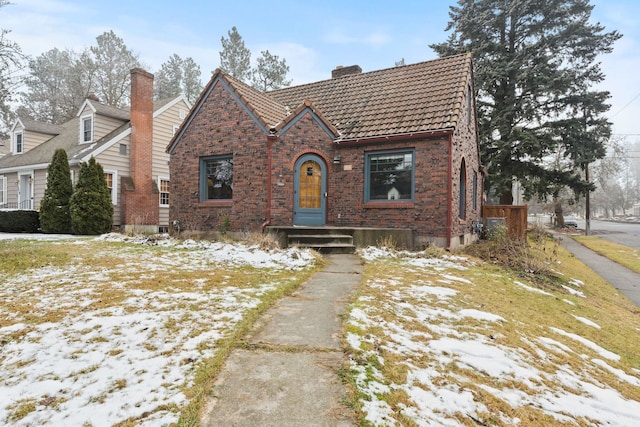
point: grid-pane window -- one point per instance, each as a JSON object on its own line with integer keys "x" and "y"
{"x": 164, "y": 192}
{"x": 86, "y": 129}
{"x": 389, "y": 176}
{"x": 19, "y": 143}
{"x": 3, "y": 190}
{"x": 109, "y": 178}
{"x": 216, "y": 178}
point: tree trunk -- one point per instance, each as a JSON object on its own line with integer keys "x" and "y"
{"x": 557, "y": 209}
{"x": 506, "y": 198}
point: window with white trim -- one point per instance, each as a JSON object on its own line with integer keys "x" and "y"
{"x": 18, "y": 143}
{"x": 86, "y": 129}
{"x": 389, "y": 176}
{"x": 112, "y": 185}
{"x": 175, "y": 129}
{"x": 163, "y": 189}
{"x": 3, "y": 190}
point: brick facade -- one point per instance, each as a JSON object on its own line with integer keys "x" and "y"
{"x": 225, "y": 122}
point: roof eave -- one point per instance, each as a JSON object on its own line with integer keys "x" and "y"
{"x": 394, "y": 137}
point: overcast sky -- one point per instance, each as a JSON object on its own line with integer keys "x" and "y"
{"x": 314, "y": 36}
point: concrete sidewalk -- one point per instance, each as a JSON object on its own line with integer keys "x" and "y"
{"x": 289, "y": 374}
{"x": 620, "y": 277}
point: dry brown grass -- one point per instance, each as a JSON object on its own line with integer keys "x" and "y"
{"x": 529, "y": 315}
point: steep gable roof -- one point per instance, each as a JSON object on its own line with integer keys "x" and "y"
{"x": 105, "y": 110}
{"x": 407, "y": 99}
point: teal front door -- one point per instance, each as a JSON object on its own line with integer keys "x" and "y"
{"x": 310, "y": 190}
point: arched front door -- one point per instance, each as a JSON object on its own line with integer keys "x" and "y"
{"x": 310, "y": 186}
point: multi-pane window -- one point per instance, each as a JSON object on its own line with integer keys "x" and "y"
{"x": 87, "y": 129}
{"x": 19, "y": 143}
{"x": 164, "y": 192}
{"x": 389, "y": 176}
{"x": 216, "y": 178}
{"x": 109, "y": 178}
{"x": 3, "y": 190}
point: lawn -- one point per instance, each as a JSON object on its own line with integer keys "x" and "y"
{"x": 132, "y": 331}
{"x": 118, "y": 331}
{"x": 454, "y": 340}
{"x": 621, "y": 254}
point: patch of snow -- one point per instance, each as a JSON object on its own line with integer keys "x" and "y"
{"x": 587, "y": 321}
{"x": 531, "y": 288}
{"x": 622, "y": 375}
{"x": 574, "y": 291}
{"x": 588, "y": 343}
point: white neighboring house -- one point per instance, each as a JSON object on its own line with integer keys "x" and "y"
{"x": 122, "y": 141}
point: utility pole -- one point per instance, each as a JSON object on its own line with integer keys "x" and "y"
{"x": 587, "y": 202}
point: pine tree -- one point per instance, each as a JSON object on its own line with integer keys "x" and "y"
{"x": 90, "y": 205}
{"x": 535, "y": 65}
{"x": 54, "y": 208}
{"x": 235, "y": 58}
{"x": 270, "y": 72}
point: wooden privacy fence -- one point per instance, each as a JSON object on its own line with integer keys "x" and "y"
{"x": 515, "y": 218}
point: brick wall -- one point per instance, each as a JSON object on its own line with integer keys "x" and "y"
{"x": 140, "y": 197}
{"x": 222, "y": 126}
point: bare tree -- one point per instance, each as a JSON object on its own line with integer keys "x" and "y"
{"x": 11, "y": 62}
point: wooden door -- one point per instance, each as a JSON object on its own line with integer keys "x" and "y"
{"x": 310, "y": 191}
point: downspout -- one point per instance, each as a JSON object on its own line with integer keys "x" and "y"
{"x": 271, "y": 138}
{"x": 449, "y": 190}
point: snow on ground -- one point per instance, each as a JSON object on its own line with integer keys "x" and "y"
{"x": 439, "y": 355}
{"x": 99, "y": 366}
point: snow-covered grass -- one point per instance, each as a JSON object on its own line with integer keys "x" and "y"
{"x": 451, "y": 342}
{"x": 114, "y": 329}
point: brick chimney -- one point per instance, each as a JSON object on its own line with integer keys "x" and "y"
{"x": 341, "y": 71}
{"x": 140, "y": 193}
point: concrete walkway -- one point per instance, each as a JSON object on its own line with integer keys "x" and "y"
{"x": 620, "y": 277}
{"x": 288, "y": 374}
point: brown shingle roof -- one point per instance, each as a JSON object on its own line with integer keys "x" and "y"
{"x": 408, "y": 99}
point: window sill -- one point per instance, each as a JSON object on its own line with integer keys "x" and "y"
{"x": 389, "y": 205}
{"x": 215, "y": 203}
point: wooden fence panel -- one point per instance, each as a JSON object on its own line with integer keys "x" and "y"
{"x": 515, "y": 218}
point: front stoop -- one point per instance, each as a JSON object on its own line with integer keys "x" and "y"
{"x": 325, "y": 240}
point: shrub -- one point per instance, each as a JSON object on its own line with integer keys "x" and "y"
{"x": 90, "y": 205}
{"x": 19, "y": 221}
{"x": 54, "y": 208}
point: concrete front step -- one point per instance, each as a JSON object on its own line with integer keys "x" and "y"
{"x": 324, "y": 243}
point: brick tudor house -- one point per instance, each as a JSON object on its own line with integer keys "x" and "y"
{"x": 129, "y": 144}
{"x": 393, "y": 150}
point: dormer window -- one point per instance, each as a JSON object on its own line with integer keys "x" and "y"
{"x": 86, "y": 129}
{"x": 18, "y": 146}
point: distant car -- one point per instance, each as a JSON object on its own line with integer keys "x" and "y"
{"x": 571, "y": 221}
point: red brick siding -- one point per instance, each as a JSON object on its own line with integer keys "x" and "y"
{"x": 141, "y": 203}
{"x": 222, "y": 126}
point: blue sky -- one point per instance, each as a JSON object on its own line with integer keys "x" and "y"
{"x": 313, "y": 36}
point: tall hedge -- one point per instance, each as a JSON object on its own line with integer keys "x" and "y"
{"x": 90, "y": 205}
{"x": 54, "y": 207}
